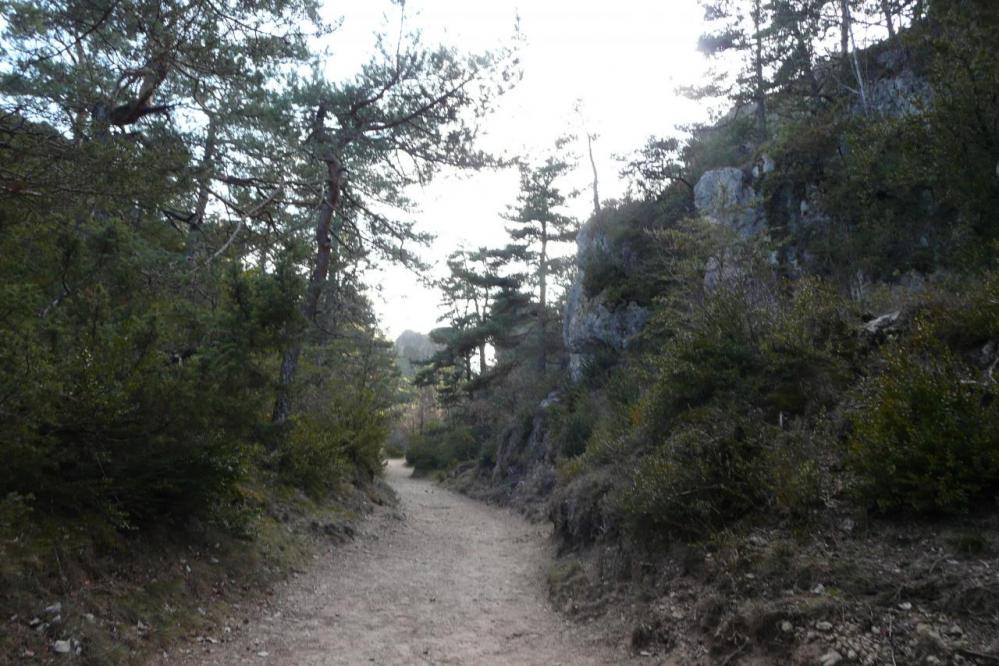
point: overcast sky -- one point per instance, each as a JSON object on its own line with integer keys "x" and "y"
{"x": 623, "y": 59}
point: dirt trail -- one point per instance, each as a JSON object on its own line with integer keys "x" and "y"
{"x": 443, "y": 579}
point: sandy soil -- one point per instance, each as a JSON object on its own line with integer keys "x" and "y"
{"x": 441, "y": 579}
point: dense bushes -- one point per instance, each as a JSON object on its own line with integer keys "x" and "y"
{"x": 703, "y": 476}
{"x": 117, "y": 403}
{"x": 747, "y": 403}
{"x": 733, "y": 420}
{"x": 572, "y": 421}
{"x": 440, "y": 446}
{"x": 926, "y": 434}
{"x": 926, "y": 415}
{"x": 756, "y": 388}
{"x": 134, "y": 389}
{"x": 910, "y": 186}
{"x": 717, "y": 468}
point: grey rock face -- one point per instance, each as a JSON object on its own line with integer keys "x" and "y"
{"x": 883, "y": 325}
{"x": 765, "y": 165}
{"x": 897, "y": 91}
{"x": 723, "y": 197}
{"x": 594, "y": 323}
{"x": 525, "y": 459}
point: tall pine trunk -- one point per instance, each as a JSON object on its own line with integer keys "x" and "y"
{"x": 335, "y": 175}
{"x": 195, "y": 236}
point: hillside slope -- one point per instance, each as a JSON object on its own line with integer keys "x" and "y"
{"x": 772, "y": 433}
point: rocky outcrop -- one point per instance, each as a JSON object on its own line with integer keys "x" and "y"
{"x": 523, "y": 474}
{"x": 523, "y": 445}
{"x": 726, "y": 197}
{"x": 595, "y": 322}
{"x": 896, "y": 89}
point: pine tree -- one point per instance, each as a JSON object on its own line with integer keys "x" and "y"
{"x": 742, "y": 28}
{"x": 537, "y": 221}
{"x": 410, "y": 112}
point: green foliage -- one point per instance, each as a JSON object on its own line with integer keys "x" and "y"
{"x": 912, "y": 190}
{"x": 719, "y": 146}
{"x": 15, "y": 511}
{"x": 718, "y": 466}
{"x": 732, "y": 421}
{"x": 314, "y": 456}
{"x": 571, "y": 424}
{"x": 809, "y": 350}
{"x": 703, "y": 476}
{"x": 129, "y": 411}
{"x": 616, "y": 270}
{"x": 441, "y": 446}
{"x": 794, "y": 466}
{"x": 926, "y": 434}
{"x": 881, "y": 190}
{"x": 657, "y": 167}
{"x": 394, "y": 451}
{"x": 327, "y": 446}
{"x": 603, "y": 274}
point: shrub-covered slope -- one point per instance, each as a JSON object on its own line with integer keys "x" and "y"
{"x": 775, "y": 434}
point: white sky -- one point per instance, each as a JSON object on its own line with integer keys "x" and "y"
{"x": 623, "y": 59}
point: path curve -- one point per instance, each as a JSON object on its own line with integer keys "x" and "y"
{"x": 455, "y": 581}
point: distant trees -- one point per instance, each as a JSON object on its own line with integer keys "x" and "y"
{"x": 476, "y": 280}
{"x": 778, "y": 43}
{"x": 656, "y": 166}
{"x": 498, "y": 299}
{"x": 741, "y": 28}
{"x": 537, "y": 221}
{"x": 410, "y": 112}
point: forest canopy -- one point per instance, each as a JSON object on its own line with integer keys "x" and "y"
{"x": 187, "y": 209}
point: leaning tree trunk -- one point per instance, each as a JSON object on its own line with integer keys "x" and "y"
{"x": 845, "y": 26}
{"x": 335, "y": 175}
{"x": 596, "y": 184}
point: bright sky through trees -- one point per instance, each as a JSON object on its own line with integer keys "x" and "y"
{"x": 623, "y": 60}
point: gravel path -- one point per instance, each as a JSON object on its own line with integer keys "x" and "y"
{"x": 442, "y": 579}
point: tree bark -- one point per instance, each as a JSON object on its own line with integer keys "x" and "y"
{"x": 194, "y": 236}
{"x": 861, "y": 86}
{"x": 845, "y": 26}
{"x": 335, "y": 177}
{"x": 480, "y": 316}
{"x": 889, "y": 19}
